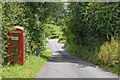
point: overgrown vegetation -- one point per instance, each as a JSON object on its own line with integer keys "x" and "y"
{"x": 92, "y": 32}
{"x": 62, "y": 39}
{"x": 53, "y": 31}
{"x": 108, "y": 55}
{"x": 32, "y": 16}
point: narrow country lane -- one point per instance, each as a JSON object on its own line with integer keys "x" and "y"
{"x": 64, "y": 65}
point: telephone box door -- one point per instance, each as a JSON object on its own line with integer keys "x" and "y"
{"x": 14, "y": 49}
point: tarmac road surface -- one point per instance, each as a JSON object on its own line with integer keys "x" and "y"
{"x": 64, "y": 65}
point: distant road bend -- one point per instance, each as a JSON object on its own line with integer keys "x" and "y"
{"x": 64, "y": 65}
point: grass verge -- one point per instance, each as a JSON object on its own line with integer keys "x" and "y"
{"x": 29, "y": 70}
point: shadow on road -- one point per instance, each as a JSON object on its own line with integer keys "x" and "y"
{"x": 64, "y": 57}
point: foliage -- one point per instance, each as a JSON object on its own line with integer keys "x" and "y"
{"x": 52, "y": 31}
{"x": 61, "y": 39}
{"x": 32, "y": 16}
{"x": 88, "y": 27}
{"x": 16, "y": 14}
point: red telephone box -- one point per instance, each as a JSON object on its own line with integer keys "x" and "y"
{"x": 16, "y": 45}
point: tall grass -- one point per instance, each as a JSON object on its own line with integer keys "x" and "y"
{"x": 109, "y": 56}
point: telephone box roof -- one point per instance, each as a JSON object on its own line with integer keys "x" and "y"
{"x": 18, "y": 27}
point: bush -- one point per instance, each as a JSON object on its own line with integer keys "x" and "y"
{"x": 109, "y": 53}
{"x": 53, "y": 36}
{"x": 61, "y": 39}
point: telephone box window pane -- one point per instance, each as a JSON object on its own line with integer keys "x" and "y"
{"x": 14, "y": 38}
